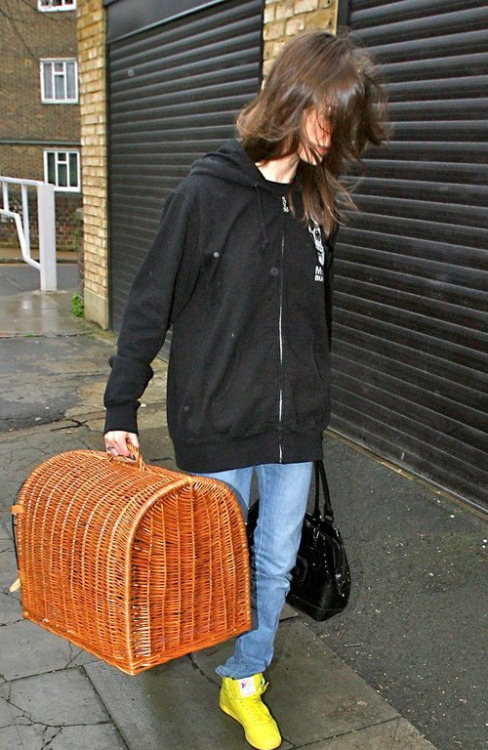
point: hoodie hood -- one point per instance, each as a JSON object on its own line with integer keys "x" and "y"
{"x": 232, "y": 165}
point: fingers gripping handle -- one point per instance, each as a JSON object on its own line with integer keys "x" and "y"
{"x": 134, "y": 458}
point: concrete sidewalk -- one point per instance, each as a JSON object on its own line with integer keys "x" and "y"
{"x": 400, "y": 537}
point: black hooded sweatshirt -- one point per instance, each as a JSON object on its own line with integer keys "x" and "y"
{"x": 245, "y": 285}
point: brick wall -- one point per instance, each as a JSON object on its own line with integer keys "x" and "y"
{"x": 91, "y": 50}
{"x": 67, "y": 221}
{"x": 23, "y": 162}
{"x": 284, "y": 19}
{"x": 26, "y": 37}
{"x": 26, "y": 162}
{"x": 27, "y": 126}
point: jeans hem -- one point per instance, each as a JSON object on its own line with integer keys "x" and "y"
{"x": 235, "y": 674}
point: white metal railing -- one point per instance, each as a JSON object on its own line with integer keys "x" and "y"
{"x": 46, "y": 222}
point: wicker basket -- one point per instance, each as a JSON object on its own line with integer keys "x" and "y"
{"x": 134, "y": 563}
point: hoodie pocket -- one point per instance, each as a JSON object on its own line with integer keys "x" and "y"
{"x": 307, "y": 393}
{"x": 247, "y": 403}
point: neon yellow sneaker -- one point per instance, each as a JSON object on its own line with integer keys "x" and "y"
{"x": 241, "y": 699}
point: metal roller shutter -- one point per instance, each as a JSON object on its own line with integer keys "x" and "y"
{"x": 411, "y": 305}
{"x": 174, "y": 91}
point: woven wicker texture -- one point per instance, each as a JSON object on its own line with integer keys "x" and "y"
{"x": 134, "y": 563}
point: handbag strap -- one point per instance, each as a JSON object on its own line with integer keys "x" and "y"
{"x": 321, "y": 484}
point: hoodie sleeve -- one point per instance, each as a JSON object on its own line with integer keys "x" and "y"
{"x": 147, "y": 314}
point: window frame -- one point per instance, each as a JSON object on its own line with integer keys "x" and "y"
{"x": 56, "y": 61}
{"x": 67, "y": 152}
{"x": 53, "y": 8}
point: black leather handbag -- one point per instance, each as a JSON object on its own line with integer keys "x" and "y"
{"x": 321, "y": 578}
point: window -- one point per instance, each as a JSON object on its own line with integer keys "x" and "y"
{"x": 46, "y": 5}
{"x": 62, "y": 169}
{"x": 59, "y": 81}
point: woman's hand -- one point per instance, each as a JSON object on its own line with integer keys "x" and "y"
{"x": 116, "y": 442}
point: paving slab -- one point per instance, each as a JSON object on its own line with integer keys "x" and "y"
{"x": 8, "y": 565}
{"x": 54, "y": 371}
{"x": 95, "y": 737}
{"x": 415, "y": 628}
{"x": 171, "y": 707}
{"x": 10, "y": 608}
{"x": 392, "y": 735}
{"x": 9, "y": 611}
{"x": 37, "y": 736}
{"x": 62, "y": 698}
{"x": 58, "y": 699}
{"x": 25, "y": 737}
{"x": 16, "y": 278}
{"x": 40, "y": 313}
{"x": 312, "y": 693}
{"x": 27, "y": 649}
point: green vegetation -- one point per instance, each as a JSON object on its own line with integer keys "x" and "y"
{"x": 77, "y": 305}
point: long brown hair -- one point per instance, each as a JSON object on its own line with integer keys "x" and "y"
{"x": 336, "y": 78}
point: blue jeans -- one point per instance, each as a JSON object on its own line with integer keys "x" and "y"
{"x": 283, "y": 494}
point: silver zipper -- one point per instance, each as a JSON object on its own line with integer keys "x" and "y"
{"x": 280, "y": 331}
{"x": 286, "y": 210}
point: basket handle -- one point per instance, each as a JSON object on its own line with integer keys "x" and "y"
{"x": 16, "y": 510}
{"x": 135, "y": 458}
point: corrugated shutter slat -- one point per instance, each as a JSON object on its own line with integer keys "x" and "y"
{"x": 411, "y": 310}
{"x": 174, "y": 91}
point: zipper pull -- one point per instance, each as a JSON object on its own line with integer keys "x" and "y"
{"x": 286, "y": 209}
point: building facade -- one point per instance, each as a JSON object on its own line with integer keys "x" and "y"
{"x": 410, "y": 353}
{"x": 410, "y": 309}
{"x": 40, "y": 117}
{"x": 107, "y": 31}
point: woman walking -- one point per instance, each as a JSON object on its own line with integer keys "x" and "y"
{"x": 241, "y": 268}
